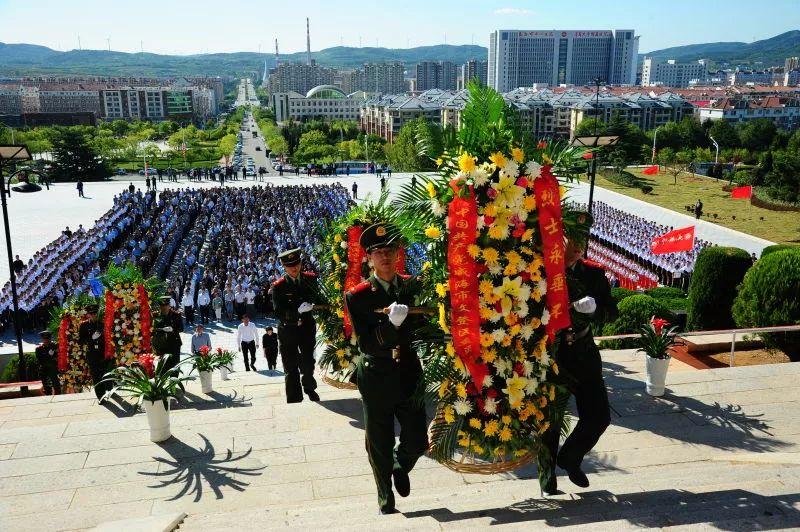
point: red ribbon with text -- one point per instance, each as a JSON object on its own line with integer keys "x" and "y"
{"x": 551, "y": 226}
{"x": 355, "y": 256}
{"x": 111, "y": 308}
{"x": 465, "y": 321}
{"x": 146, "y": 319}
{"x": 63, "y": 344}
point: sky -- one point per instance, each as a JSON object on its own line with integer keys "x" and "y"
{"x": 202, "y": 26}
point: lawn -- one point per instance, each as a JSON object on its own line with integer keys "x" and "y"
{"x": 777, "y": 226}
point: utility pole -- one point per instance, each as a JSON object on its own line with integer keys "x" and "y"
{"x": 716, "y": 157}
{"x": 108, "y": 42}
{"x": 79, "y": 42}
{"x": 655, "y": 135}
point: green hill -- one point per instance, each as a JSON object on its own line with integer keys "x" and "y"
{"x": 27, "y": 59}
{"x": 764, "y": 53}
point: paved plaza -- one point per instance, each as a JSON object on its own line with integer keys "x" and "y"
{"x": 720, "y": 451}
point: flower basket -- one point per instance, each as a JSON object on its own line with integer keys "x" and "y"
{"x": 224, "y": 361}
{"x": 339, "y": 384}
{"x": 65, "y": 323}
{"x": 656, "y": 341}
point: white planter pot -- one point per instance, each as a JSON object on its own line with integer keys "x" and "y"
{"x": 656, "y": 375}
{"x": 206, "y": 381}
{"x": 223, "y": 373}
{"x": 158, "y": 419}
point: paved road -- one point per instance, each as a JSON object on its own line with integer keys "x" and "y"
{"x": 247, "y": 94}
{"x": 249, "y": 144}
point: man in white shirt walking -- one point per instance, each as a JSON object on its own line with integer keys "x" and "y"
{"x": 204, "y": 302}
{"x": 188, "y": 305}
{"x": 247, "y": 340}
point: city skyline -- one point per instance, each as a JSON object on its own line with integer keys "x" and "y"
{"x": 60, "y": 26}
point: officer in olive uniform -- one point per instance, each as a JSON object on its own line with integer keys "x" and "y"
{"x": 90, "y": 335}
{"x": 47, "y": 357}
{"x": 389, "y": 370}
{"x": 293, "y": 298}
{"x": 167, "y": 327}
{"x": 579, "y": 362}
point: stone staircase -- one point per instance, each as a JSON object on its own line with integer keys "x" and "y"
{"x": 720, "y": 451}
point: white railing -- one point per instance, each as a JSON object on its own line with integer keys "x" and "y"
{"x": 732, "y": 332}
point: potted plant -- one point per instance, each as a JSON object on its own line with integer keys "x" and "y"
{"x": 205, "y": 362}
{"x": 224, "y": 362}
{"x": 152, "y": 382}
{"x": 656, "y": 341}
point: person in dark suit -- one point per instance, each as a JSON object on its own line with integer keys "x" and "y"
{"x": 167, "y": 326}
{"x": 293, "y": 298}
{"x": 581, "y": 369}
{"x": 269, "y": 343}
{"x": 389, "y": 370}
{"x": 47, "y": 357}
{"x": 90, "y": 335}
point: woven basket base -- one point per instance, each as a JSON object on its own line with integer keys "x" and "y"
{"x": 465, "y": 465}
{"x": 338, "y": 384}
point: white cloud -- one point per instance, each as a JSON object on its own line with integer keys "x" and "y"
{"x": 513, "y": 11}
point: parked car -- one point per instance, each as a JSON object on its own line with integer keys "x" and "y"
{"x": 121, "y": 171}
{"x": 258, "y": 148}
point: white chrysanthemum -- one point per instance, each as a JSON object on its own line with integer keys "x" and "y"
{"x": 496, "y": 316}
{"x": 487, "y": 381}
{"x": 462, "y": 407}
{"x": 502, "y": 366}
{"x": 524, "y": 292}
{"x": 545, "y": 317}
{"x": 530, "y": 388}
{"x": 343, "y": 244}
{"x": 462, "y": 175}
{"x": 526, "y": 331}
{"x": 495, "y": 270}
{"x": 522, "y": 309}
{"x": 437, "y": 208}
{"x": 353, "y": 340}
{"x": 511, "y": 168}
{"x": 481, "y": 224}
{"x": 480, "y": 177}
{"x": 498, "y": 335}
{"x": 543, "y": 374}
{"x": 527, "y": 368}
{"x": 541, "y": 284}
{"x": 533, "y": 169}
{"x": 545, "y": 360}
{"x": 490, "y": 405}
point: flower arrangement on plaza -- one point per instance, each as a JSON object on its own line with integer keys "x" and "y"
{"x": 224, "y": 358}
{"x": 65, "y": 322}
{"x": 495, "y": 272}
{"x": 344, "y": 265}
{"x": 127, "y": 317}
{"x": 657, "y": 338}
{"x": 147, "y": 378}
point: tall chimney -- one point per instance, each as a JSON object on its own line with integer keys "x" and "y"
{"x": 308, "y": 43}
{"x": 277, "y": 57}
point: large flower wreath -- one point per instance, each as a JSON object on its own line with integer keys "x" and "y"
{"x": 127, "y": 317}
{"x": 493, "y": 221}
{"x": 64, "y": 324}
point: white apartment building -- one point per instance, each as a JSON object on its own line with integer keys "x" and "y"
{"x": 325, "y": 102}
{"x": 561, "y": 57}
{"x": 670, "y": 73}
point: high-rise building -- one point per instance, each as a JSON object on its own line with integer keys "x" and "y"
{"x": 791, "y": 63}
{"x": 384, "y": 78}
{"x": 671, "y": 73}
{"x": 436, "y": 75}
{"x": 560, "y": 57}
{"x": 299, "y": 77}
{"x": 474, "y": 69}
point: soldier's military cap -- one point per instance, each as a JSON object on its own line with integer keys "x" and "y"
{"x": 45, "y": 334}
{"x": 290, "y": 257}
{"x": 164, "y": 300}
{"x": 379, "y": 235}
{"x": 577, "y": 225}
{"x": 91, "y": 307}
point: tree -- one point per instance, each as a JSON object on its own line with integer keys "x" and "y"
{"x": 75, "y": 158}
{"x": 278, "y": 145}
{"x": 725, "y": 134}
{"x": 784, "y": 178}
{"x": 757, "y": 135}
{"x": 402, "y": 154}
{"x": 588, "y": 127}
{"x": 226, "y": 146}
{"x": 669, "y": 136}
{"x": 692, "y": 133}
{"x": 313, "y": 147}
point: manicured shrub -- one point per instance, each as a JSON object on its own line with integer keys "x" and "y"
{"x": 632, "y": 313}
{"x": 11, "y": 371}
{"x": 770, "y": 296}
{"x": 777, "y": 247}
{"x": 619, "y": 293}
{"x": 717, "y": 273}
{"x": 665, "y": 292}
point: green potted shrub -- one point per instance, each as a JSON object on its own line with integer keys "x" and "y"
{"x": 152, "y": 383}
{"x": 224, "y": 362}
{"x": 656, "y": 341}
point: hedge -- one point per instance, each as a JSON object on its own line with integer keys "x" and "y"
{"x": 666, "y": 292}
{"x": 618, "y": 294}
{"x": 778, "y": 247}
{"x": 632, "y": 313}
{"x": 770, "y": 296}
{"x": 11, "y": 371}
{"x": 717, "y": 273}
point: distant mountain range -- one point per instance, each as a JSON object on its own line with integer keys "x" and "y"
{"x": 30, "y": 59}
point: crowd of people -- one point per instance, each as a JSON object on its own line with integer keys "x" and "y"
{"x": 621, "y": 270}
{"x": 629, "y": 237}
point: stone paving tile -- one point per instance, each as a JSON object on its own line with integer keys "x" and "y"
{"x": 26, "y": 434}
{"x": 43, "y": 421}
{"x": 34, "y": 503}
{"x": 74, "y": 444}
{"x": 76, "y": 518}
{"x": 6, "y": 450}
{"x": 169, "y": 450}
{"x": 27, "y": 466}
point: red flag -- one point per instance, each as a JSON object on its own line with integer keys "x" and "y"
{"x": 651, "y": 170}
{"x": 674, "y": 241}
{"x": 742, "y": 192}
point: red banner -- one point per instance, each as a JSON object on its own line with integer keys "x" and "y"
{"x": 674, "y": 241}
{"x": 651, "y": 170}
{"x": 551, "y": 226}
{"x": 401, "y": 260}
{"x": 355, "y": 256}
{"x": 63, "y": 344}
{"x": 465, "y": 320}
{"x": 147, "y": 320}
{"x": 109, "y": 324}
{"x": 742, "y": 192}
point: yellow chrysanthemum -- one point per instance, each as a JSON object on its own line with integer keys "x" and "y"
{"x": 517, "y": 154}
{"x": 490, "y": 210}
{"x": 449, "y": 415}
{"x": 529, "y": 203}
{"x": 498, "y": 159}
{"x": 337, "y": 238}
{"x": 474, "y": 251}
{"x": 466, "y": 163}
{"x": 486, "y": 339}
{"x": 490, "y": 256}
{"x": 512, "y": 257}
{"x": 433, "y": 232}
{"x": 506, "y": 419}
{"x": 489, "y": 355}
{"x": 443, "y": 388}
{"x": 485, "y": 313}
{"x": 441, "y": 289}
{"x": 527, "y": 235}
{"x": 485, "y": 286}
{"x": 431, "y": 189}
{"x": 491, "y": 428}
{"x": 461, "y": 390}
{"x": 506, "y": 341}
{"x": 505, "y": 434}
{"x": 475, "y": 423}
{"x": 336, "y": 257}
{"x": 443, "y": 319}
{"x": 498, "y": 232}
{"x": 477, "y": 448}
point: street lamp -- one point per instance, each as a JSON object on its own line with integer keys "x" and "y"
{"x": 655, "y": 135}
{"x": 12, "y": 154}
{"x": 716, "y": 157}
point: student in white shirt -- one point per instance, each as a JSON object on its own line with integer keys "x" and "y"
{"x": 188, "y": 305}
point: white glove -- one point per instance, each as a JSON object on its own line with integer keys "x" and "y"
{"x": 585, "y": 305}
{"x": 167, "y": 329}
{"x": 305, "y": 307}
{"x": 95, "y": 336}
{"x": 397, "y": 313}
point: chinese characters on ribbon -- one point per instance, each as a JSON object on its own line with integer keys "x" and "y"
{"x": 551, "y": 226}
{"x": 355, "y": 256}
{"x": 465, "y": 322}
